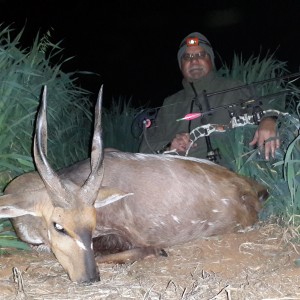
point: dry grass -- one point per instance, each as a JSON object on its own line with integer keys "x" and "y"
{"x": 258, "y": 264}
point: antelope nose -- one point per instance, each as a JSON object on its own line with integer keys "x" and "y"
{"x": 91, "y": 280}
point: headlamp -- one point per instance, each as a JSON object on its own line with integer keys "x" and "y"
{"x": 194, "y": 41}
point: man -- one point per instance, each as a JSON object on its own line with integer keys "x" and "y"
{"x": 196, "y": 62}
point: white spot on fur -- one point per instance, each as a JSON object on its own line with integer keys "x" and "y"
{"x": 49, "y": 235}
{"x": 195, "y": 221}
{"x": 58, "y": 227}
{"x": 215, "y": 210}
{"x": 111, "y": 199}
{"x": 92, "y": 247}
{"x": 175, "y": 218}
{"x": 210, "y": 224}
{"x": 203, "y": 221}
{"x": 81, "y": 245}
{"x": 225, "y": 201}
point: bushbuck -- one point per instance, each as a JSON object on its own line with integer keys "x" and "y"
{"x": 129, "y": 206}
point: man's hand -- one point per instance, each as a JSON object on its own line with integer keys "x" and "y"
{"x": 181, "y": 142}
{"x": 266, "y": 135}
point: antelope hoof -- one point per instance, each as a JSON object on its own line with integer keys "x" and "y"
{"x": 163, "y": 253}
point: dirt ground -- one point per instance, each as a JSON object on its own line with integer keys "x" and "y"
{"x": 262, "y": 263}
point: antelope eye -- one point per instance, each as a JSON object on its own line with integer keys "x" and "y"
{"x": 59, "y": 228}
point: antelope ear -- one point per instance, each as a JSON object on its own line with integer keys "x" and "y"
{"x": 20, "y": 204}
{"x": 109, "y": 195}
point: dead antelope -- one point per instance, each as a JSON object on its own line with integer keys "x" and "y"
{"x": 130, "y": 205}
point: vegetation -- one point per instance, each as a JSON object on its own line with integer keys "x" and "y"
{"x": 23, "y": 74}
{"x": 117, "y": 126}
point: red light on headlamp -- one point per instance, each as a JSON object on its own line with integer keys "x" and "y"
{"x": 192, "y": 41}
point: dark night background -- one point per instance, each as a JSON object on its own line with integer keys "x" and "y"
{"x": 132, "y": 45}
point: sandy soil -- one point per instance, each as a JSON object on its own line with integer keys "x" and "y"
{"x": 259, "y": 264}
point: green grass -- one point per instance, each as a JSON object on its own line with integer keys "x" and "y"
{"x": 117, "y": 123}
{"x": 23, "y": 73}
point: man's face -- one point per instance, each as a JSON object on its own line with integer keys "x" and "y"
{"x": 196, "y": 67}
